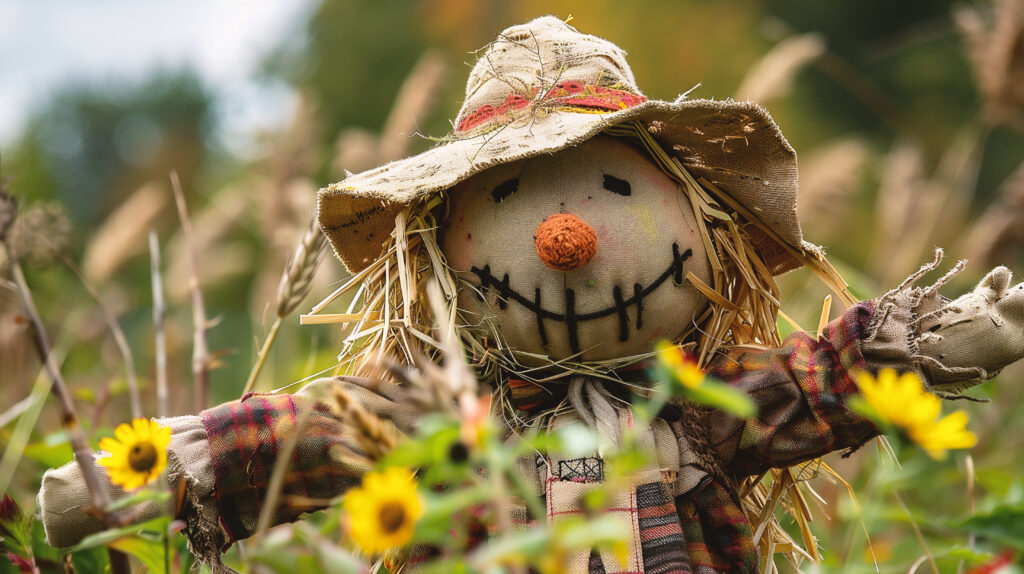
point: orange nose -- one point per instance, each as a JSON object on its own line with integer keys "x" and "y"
{"x": 565, "y": 242}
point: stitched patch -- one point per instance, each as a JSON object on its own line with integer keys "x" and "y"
{"x": 588, "y": 469}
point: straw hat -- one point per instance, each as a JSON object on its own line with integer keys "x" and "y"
{"x": 543, "y": 86}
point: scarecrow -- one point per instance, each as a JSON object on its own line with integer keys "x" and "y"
{"x": 572, "y": 223}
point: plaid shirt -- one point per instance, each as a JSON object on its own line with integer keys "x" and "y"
{"x": 685, "y": 520}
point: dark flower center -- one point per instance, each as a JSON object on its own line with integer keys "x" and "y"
{"x": 142, "y": 457}
{"x": 392, "y": 517}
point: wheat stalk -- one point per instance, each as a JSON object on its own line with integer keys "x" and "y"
{"x": 296, "y": 282}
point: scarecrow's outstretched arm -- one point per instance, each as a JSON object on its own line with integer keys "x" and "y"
{"x": 801, "y": 387}
{"x": 225, "y": 457}
{"x": 800, "y": 390}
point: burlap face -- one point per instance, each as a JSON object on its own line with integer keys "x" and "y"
{"x": 633, "y": 291}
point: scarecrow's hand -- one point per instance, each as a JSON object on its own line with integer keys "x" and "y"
{"x": 65, "y": 502}
{"x": 971, "y": 339}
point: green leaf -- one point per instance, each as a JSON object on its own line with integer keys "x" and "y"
{"x": 971, "y": 557}
{"x": 1005, "y": 524}
{"x": 331, "y": 558}
{"x": 156, "y": 496}
{"x": 721, "y": 396}
{"x": 91, "y": 560}
{"x": 49, "y": 455}
{"x": 104, "y": 538}
{"x": 152, "y": 552}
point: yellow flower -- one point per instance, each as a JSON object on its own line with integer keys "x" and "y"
{"x": 682, "y": 366}
{"x": 902, "y": 401}
{"x": 384, "y": 510}
{"x": 138, "y": 455}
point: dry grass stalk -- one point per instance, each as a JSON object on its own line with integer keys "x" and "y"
{"x": 772, "y": 77}
{"x": 917, "y": 534}
{"x": 996, "y": 51}
{"x": 159, "y": 331}
{"x": 829, "y": 177}
{"x": 358, "y": 149}
{"x": 212, "y": 227}
{"x": 1000, "y": 229}
{"x": 200, "y": 347}
{"x": 221, "y": 262}
{"x": 901, "y": 192}
{"x": 414, "y": 99}
{"x": 119, "y": 338}
{"x": 69, "y": 418}
{"x": 293, "y": 288}
{"x": 122, "y": 235}
{"x": 917, "y": 212}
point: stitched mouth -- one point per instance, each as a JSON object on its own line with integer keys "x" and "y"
{"x": 570, "y": 317}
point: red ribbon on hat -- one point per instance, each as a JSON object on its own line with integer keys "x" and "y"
{"x": 570, "y": 94}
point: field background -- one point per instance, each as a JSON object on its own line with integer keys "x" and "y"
{"x": 908, "y": 118}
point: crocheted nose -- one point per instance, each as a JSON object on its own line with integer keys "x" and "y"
{"x": 565, "y": 242}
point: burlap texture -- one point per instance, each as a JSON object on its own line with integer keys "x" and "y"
{"x": 951, "y": 345}
{"x": 973, "y": 337}
{"x": 734, "y": 145}
{"x": 638, "y": 239}
{"x": 64, "y": 494}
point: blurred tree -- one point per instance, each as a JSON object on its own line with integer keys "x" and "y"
{"x": 90, "y": 145}
{"x": 352, "y": 60}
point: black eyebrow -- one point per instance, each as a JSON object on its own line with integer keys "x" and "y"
{"x": 616, "y": 185}
{"x": 505, "y": 189}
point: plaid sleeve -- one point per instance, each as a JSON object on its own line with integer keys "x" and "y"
{"x": 246, "y": 439}
{"x": 800, "y": 391}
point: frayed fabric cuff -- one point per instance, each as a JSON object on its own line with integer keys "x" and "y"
{"x": 191, "y": 468}
{"x": 64, "y": 497}
{"x": 894, "y": 337}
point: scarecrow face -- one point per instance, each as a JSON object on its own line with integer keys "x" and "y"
{"x": 582, "y": 254}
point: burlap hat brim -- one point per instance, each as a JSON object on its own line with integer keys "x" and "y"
{"x": 734, "y": 145}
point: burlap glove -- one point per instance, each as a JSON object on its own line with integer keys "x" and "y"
{"x": 971, "y": 339}
{"x": 64, "y": 496}
{"x": 952, "y": 345}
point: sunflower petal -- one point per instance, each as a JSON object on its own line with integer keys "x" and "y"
{"x": 141, "y": 427}
{"x": 124, "y": 433}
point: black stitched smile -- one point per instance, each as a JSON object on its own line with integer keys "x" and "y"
{"x": 570, "y": 317}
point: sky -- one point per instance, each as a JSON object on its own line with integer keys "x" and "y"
{"x": 45, "y": 44}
